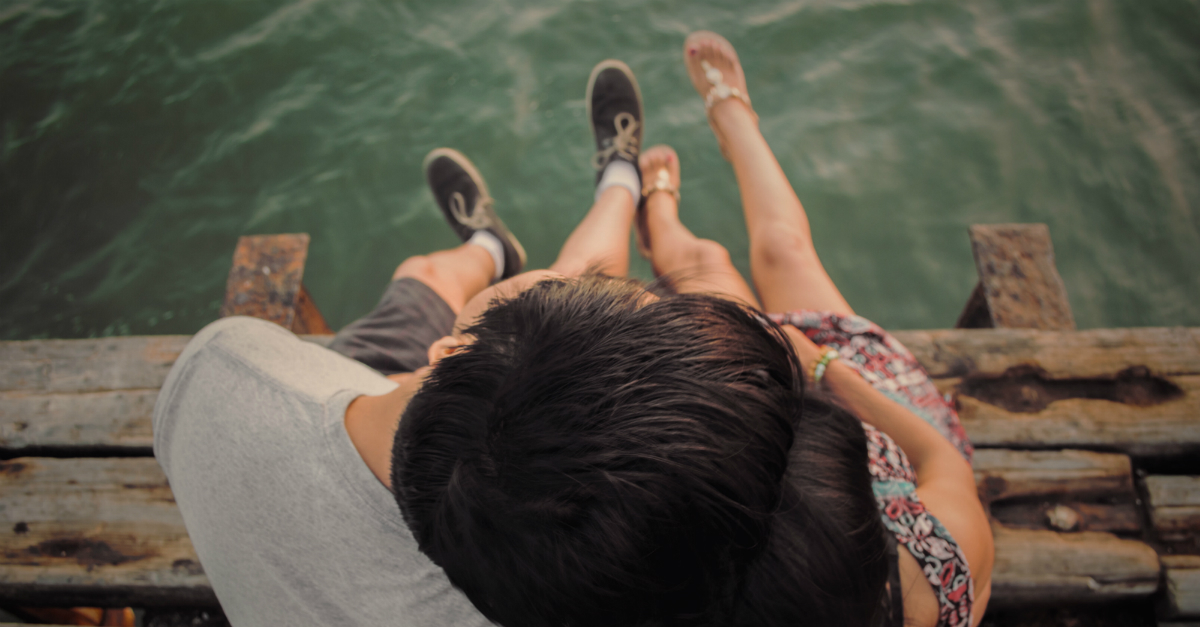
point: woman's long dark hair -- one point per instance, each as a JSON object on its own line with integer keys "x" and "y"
{"x": 825, "y": 560}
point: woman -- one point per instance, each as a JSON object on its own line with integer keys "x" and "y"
{"x": 918, "y": 453}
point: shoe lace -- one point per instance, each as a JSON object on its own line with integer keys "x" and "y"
{"x": 624, "y": 144}
{"x": 473, "y": 219}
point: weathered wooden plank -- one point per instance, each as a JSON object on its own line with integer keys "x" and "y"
{"x": 1063, "y": 490}
{"x": 94, "y": 531}
{"x": 108, "y": 531}
{"x": 1005, "y": 474}
{"x": 1181, "y": 598}
{"x": 115, "y": 363}
{"x": 1061, "y": 354}
{"x": 1018, "y": 279}
{"x": 95, "y": 365}
{"x": 1170, "y": 428}
{"x": 1174, "y": 506}
{"x": 1067, "y": 514}
{"x": 122, "y": 363}
{"x": 110, "y": 422}
{"x": 1034, "y": 566}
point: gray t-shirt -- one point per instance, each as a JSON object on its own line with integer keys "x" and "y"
{"x": 290, "y": 525}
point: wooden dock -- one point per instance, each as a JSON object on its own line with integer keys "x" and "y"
{"x": 1088, "y": 462}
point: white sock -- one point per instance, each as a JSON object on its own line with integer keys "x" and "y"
{"x": 622, "y": 174}
{"x": 491, "y": 243}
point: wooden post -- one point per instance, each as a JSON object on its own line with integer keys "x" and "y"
{"x": 265, "y": 282}
{"x": 1019, "y": 285}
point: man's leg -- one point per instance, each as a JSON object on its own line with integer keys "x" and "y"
{"x": 783, "y": 261}
{"x": 427, "y": 291}
{"x": 692, "y": 264}
{"x": 456, "y": 275}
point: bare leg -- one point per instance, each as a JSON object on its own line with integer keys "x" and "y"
{"x": 601, "y": 241}
{"x": 693, "y": 264}
{"x": 456, "y": 274}
{"x": 783, "y": 262}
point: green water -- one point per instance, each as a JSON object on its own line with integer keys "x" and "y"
{"x": 140, "y": 139}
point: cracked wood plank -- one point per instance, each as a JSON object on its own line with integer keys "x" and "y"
{"x": 138, "y": 362}
{"x": 107, "y": 530}
{"x": 1175, "y": 506}
{"x": 1036, "y": 489}
{"x": 90, "y": 531}
{"x": 94, "y": 365}
{"x": 1035, "y": 566}
{"x": 114, "y": 363}
{"x": 89, "y": 422}
{"x": 1181, "y": 593}
{"x": 984, "y": 353}
{"x": 1167, "y": 428}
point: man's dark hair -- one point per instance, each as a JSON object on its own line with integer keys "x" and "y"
{"x": 597, "y": 459}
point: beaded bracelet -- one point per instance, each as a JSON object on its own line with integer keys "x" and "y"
{"x": 819, "y": 366}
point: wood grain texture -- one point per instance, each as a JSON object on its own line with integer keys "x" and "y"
{"x": 1174, "y": 506}
{"x": 110, "y": 422}
{"x": 116, "y": 363}
{"x": 122, "y": 363}
{"x": 108, "y": 530}
{"x": 1024, "y": 489}
{"x": 94, "y": 531}
{"x": 96, "y": 365}
{"x": 1068, "y": 514}
{"x": 1035, "y": 566}
{"x": 265, "y": 279}
{"x": 1169, "y": 428}
{"x": 1061, "y": 354}
{"x": 1005, "y": 474}
{"x": 1018, "y": 278}
{"x": 1181, "y": 598}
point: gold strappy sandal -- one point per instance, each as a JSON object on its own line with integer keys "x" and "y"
{"x": 659, "y": 182}
{"x": 717, "y": 89}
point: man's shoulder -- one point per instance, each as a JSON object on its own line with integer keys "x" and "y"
{"x": 248, "y": 349}
{"x": 245, "y": 366}
{"x": 236, "y": 333}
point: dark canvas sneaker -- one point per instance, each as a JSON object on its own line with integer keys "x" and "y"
{"x": 615, "y": 110}
{"x": 463, "y": 197}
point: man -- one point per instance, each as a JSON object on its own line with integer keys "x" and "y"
{"x": 486, "y": 443}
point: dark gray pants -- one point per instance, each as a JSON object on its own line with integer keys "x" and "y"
{"x": 396, "y": 335}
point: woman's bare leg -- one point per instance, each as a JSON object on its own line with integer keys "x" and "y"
{"x": 601, "y": 241}
{"x": 783, "y": 262}
{"x": 693, "y": 264}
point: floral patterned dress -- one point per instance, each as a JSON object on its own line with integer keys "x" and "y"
{"x": 890, "y": 368}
